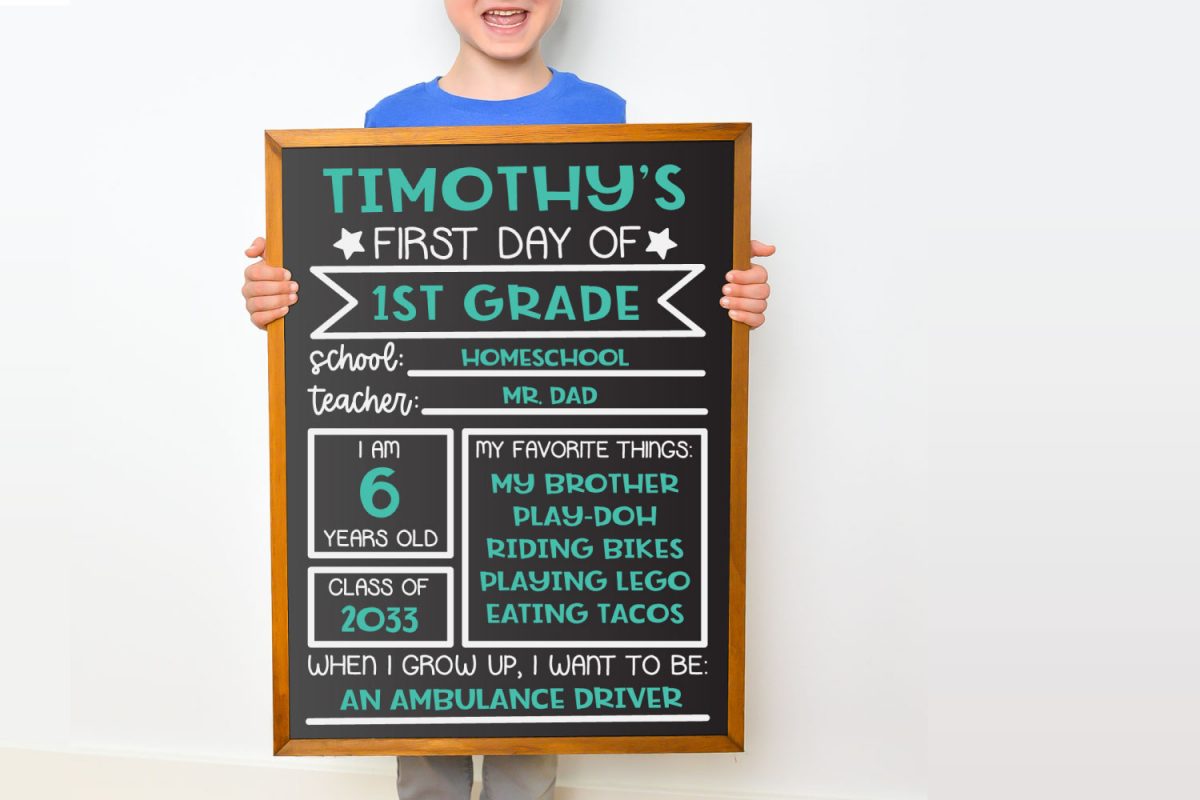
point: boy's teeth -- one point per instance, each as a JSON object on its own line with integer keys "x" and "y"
{"x": 505, "y": 18}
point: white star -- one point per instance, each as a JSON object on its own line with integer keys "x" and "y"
{"x": 350, "y": 243}
{"x": 660, "y": 243}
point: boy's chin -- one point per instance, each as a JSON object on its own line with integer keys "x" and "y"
{"x": 506, "y": 51}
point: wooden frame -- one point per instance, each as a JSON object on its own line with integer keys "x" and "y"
{"x": 276, "y": 140}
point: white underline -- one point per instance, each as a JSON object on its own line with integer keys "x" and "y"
{"x": 533, "y": 373}
{"x": 616, "y": 412}
{"x": 505, "y": 720}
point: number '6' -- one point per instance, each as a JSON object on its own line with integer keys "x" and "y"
{"x": 372, "y": 484}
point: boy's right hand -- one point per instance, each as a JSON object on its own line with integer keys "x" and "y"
{"x": 269, "y": 291}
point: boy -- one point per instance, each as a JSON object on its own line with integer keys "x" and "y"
{"x": 498, "y": 78}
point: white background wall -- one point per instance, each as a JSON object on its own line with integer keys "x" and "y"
{"x": 974, "y": 439}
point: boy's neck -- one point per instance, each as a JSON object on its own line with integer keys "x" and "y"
{"x": 477, "y": 76}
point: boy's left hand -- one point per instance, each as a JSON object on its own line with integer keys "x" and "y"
{"x": 747, "y": 291}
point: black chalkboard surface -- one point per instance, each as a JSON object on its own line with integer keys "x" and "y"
{"x": 508, "y": 439}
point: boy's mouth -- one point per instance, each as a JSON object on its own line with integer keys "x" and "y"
{"x": 505, "y": 18}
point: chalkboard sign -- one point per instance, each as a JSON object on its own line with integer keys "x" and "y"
{"x": 508, "y": 439}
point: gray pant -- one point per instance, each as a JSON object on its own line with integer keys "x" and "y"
{"x": 450, "y": 777}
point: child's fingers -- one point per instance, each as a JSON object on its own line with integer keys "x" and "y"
{"x": 269, "y": 302}
{"x": 744, "y": 304}
{"x": 756, "y": 274}
{"x": 258, "y": 271}
{"x": 760, "y": 291}
{"x": 256, "y": 248}
{"x": 758, "y": 249}
{"x": 261, "y": 318}
{"x": 259, "y": 288}
{"x": 751, "y": 319}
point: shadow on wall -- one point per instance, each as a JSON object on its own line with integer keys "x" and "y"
{"x": 567, "y": 44}
{"x": 556, "y": 44}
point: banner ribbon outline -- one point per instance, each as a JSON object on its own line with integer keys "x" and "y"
{"x": 327, "y": 274}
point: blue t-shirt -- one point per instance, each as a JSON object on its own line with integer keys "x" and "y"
{"x": 565, "y": 99}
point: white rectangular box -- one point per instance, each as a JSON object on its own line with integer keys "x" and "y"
{"x": 447, "y": 571}
{"x": 467, "y": 433}
{"x": 447, "y": 552}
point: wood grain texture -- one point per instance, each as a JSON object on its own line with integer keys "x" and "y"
{"x": 276, "y": 141}
{"x": 738, "y": 411}
{"x": 511, "y": 746}
{"x": 278, "y": 443}
{"x": 506, "y": 134}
